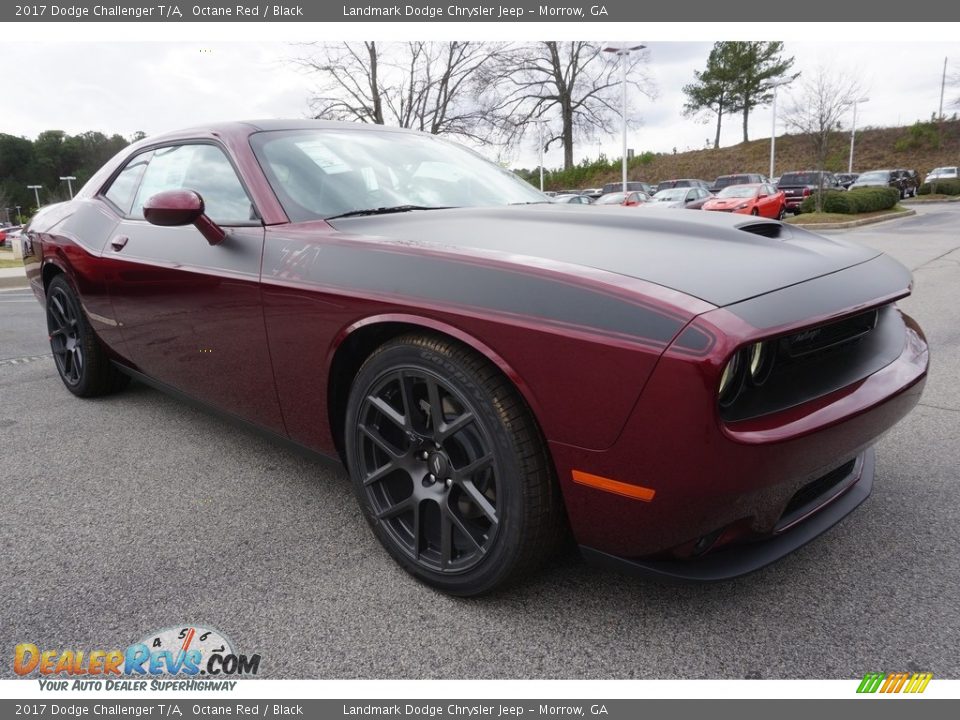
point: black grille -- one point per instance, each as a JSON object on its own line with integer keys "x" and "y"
{"x": 821, "y": 486}
{"x": 820, "y": 338}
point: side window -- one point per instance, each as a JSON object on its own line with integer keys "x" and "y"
{"x": 203, "y": 169}
{"x": 124, "y": 185}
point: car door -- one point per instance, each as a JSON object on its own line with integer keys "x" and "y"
{"x": 766, "y": 202}
{"x": 190, "y": 313}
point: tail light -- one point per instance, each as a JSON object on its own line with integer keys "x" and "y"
{"x": 806, "y": 191}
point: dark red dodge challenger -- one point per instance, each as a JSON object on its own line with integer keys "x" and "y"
{"x": 693, "y": 395}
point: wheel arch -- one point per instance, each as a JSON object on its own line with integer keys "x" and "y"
{"x": 49, "y": 270}
{"x": 358, "y": 341}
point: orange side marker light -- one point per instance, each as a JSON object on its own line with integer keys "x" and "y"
{"x": 634, "y": 492}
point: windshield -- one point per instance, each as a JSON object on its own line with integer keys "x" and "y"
{"x": 788, "y": 179}
{"x": 671, "y": 195}
{"x": 738, "y": 191}
{"x": 611, "y": 199}
{"x": 726, "y": 180}
{"x": 323, "y": 173}
{"x": 944, "y": 171}
{"x": 873, "y": 177}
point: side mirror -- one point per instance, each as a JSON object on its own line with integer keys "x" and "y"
{"x": 175, "y": 208}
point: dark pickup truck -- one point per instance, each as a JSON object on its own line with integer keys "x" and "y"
{"x": 798, "y": 185}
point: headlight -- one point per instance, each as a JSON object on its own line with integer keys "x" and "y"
{"x": 759, "y": 362}
{"x": 730, "y": 381}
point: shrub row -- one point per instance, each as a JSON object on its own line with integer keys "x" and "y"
{"x": 852, "y": 202}
{"x": 946, "y": 187}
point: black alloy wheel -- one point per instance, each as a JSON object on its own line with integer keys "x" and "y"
{"x": 63, "y": 324}
{"x": 449, "y": 467}
{"x": 81, "y": 360}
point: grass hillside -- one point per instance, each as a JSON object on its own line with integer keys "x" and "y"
{"x": 917, "y": 147}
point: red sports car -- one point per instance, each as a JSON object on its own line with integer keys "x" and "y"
{"x": 760, "y": 199}
{"x": 690, "y": 394}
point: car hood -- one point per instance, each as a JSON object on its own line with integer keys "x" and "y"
{"x": 728, "y": 202}
{"x": 705, "y": 255}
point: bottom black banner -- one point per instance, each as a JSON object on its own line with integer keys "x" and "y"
{"x": 874, "y": 708}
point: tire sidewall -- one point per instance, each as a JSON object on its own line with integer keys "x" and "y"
{"x": 60, "y": 282}
{"x": 500, "y": 560}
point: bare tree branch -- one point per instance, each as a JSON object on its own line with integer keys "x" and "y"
{"x": 817, "y": 109}
{"x": 571, "y": 86}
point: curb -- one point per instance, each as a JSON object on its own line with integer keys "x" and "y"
{"x": 855, "y": 223}
{"x": 925, "y": 201}
{"x": 14, "y": 282}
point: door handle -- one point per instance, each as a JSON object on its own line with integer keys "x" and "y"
{"x": 119, "y": 242}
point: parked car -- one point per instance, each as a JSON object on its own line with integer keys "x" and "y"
{"x": 691, "y": 198}
{"x": 688, "y": 395}
{"x": 760, "y": 199}
{"x": 942, "y": 173}
{"x": 682, "y": 182}
{"x": 571, "y": 199}
{"x": 798, "y": 185}
{"x": 592, "y": 193}
{"x": 742, "y": 179}
{"x": 910, "y": 181}
{"x": 9, "y": 234}
{"x": 882, "y": 178}
{"x": 630, "y": 199}
{"x": 631, "y": 185}
{"x": 845, "y": 180}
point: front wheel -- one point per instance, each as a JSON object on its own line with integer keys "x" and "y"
{"x": 81, "y": 360}
{"x": 449, "y": 466}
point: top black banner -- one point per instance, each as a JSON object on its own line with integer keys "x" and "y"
{"x": 475, "y": 11}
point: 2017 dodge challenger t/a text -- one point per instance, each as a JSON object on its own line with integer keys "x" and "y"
{"x": 691, "y": 396}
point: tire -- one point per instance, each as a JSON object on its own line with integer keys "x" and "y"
{"x": 755, "y": 212}
{"x": 81, "y": 359}
{"x": 468, "y": 506}
{"x": 783, "y": 213}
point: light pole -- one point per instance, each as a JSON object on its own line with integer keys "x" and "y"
{"x": 853, "y": 130}
{"x": 36, "y": 193}
{"x": 622, "y": 51}
{"x": 69, "y": 179}
{"x": 773, "y": 127}
{"x": 18, "y": 214}
{"x": 540, "y": 147}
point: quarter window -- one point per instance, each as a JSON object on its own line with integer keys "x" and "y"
{"x": 203, "y": 169}
{"x": 124, "y": 185}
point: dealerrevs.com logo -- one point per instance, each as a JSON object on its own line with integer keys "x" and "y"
{"x": 179, "y": 658}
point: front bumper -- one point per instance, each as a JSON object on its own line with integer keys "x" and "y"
{"x": 731, "y": 490}
{"x": 737, "y": 560}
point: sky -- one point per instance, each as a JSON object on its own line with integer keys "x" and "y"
{"x": 123, "y": 87}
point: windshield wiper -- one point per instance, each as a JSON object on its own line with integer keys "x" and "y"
{"x": 386, "y": 210}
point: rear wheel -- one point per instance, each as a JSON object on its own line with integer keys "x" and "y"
{"x": 81, "y": 360}
{"x": 783, "y": 212}
{"x": 449, "y": 466}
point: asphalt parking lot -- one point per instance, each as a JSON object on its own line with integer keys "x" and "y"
{"x": 133, "y": 513}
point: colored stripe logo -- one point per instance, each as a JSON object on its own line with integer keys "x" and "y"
{"x": 913, "y": 683}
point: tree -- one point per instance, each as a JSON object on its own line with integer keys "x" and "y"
{"x": 428, "y": 86}
{"x": 572, "y": 87}
{"x": 816, "y": 111}
{"x": 739, "y": 77}
{"x": 758, "y": 67}
{"x": 713, "y": 93}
